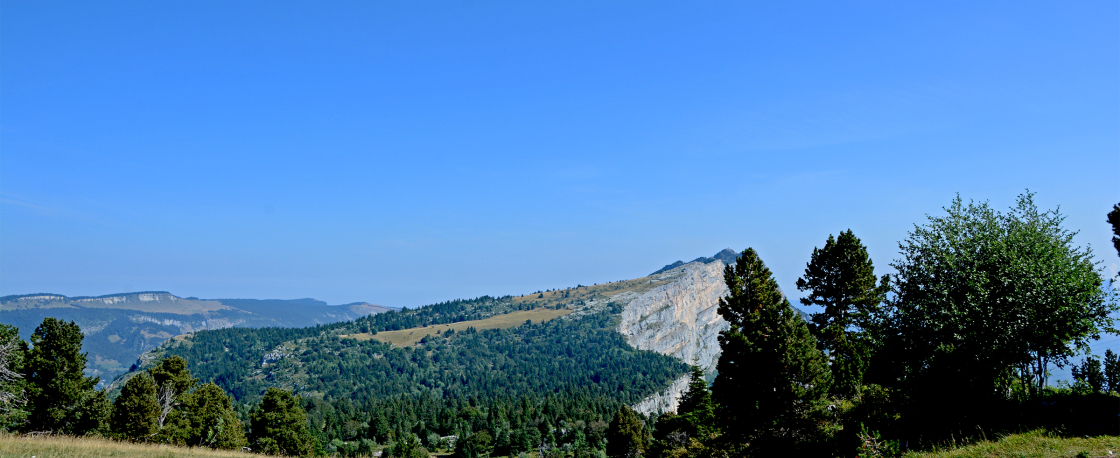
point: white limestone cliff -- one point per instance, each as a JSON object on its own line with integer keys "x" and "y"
{"x": 678, "y": 318}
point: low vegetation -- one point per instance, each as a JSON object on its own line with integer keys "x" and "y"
{"x": 1034, "y": 444}
{"x": 58, "y": 446}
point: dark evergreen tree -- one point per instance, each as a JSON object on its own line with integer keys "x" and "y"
{"x": 1088, "y": 375}
{"x": 626, "y": 435}
{"x": 408, "y": 447}
{"x": 60, "y": 398}
{"x": 173, "y": 381}
{"x": 1114, "y": 220}
{"x": 135, "y": 411}
{"x": 12, "y": 385}
{"x": 771, "y": 377}
{"x": 1112, "y": 371}
{"x": 278, "y": 426}
{"x": 206, "y": 418}
{"x": 474, "y": 446}
{"x": 841, "y": 278}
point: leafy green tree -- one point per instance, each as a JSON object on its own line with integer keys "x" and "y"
{"x": 982, "y": 297}
{"x": 278, "y": 426}
{"x": 60, "y": 398}
{"x": 841, "y": 278}
{"x": 474, "y": 446}
{"x": 12, "y": 385}
{"x": 626, "y": 435}
{"x": 1114, "y": 220}
{"x": 771, "y": 378}
{"x": 135, "y": 411}
{"x": 1112, "y": 371}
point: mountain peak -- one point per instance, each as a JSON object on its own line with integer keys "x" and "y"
{"x": 727, "y": 255}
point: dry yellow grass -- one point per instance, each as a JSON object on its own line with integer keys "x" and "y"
{"x": 411, "y": 336}
{"x": 1034, "y": 444}
{"x": 65, "y": 446}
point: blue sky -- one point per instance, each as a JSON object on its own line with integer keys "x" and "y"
{"x": 405, "y": 153}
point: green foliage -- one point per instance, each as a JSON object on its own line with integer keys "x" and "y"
{"x": 981, "y": 299}
{"x": 60, "y": 397}
{"x": 771, "y": 378}
{"x": 409, "y": 447}
{"x": 1088, "y": 375}
{"x": 172, "y": 374}
{"x": 1114, "y": 220}
{"x": 695, "y": 421}
{"x": 13, "y": 387}
{"x": 1112, "y": 371}
{"x": 279, "y": 426}
{"x": 136, "y": 410}
{"x": 626, "y": 435}
{"x": 841, "y": 278}
{"x": 476, "y": 445}
{"x": 205, "y": 417}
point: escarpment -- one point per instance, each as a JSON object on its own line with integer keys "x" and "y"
{"x": 679, "y": 318}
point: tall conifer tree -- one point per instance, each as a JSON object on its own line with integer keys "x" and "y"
{"x": 279, "y": 426}
{"x": 841, "y": 278}
{"x": 60, "y": 397}
{"x": 771, "y": 376}
{"x": 135, "y": 410}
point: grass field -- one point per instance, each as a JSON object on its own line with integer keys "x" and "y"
{"x": 64, "y": 446}
{"x": 1034, "y": 444}
{"x": 406, "y": 337}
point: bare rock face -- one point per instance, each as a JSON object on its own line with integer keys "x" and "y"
{"x": 678, "y": 318}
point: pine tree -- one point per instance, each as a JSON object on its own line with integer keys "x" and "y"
{"x": 1112, "y": 371}
{"x": 841, "y": 278}
{"x": 625, "y": 435}
{"x": 771, "y": 377}
{"x": 279, "y": 426}
{"x": 135, "y": 411}
{"x": 696, "y": 407}
{"x": 206, "y": 418}
{"x": 173, "y": 381}
{"x": 60, "y": 398}
{"x": 13, "y": 395}
{"x": 1114, "y": 220}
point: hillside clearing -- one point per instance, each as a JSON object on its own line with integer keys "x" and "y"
{"x": 1034, "y": 444}
{"x": 407, "y": 337}
{"x": 65, "y": 446}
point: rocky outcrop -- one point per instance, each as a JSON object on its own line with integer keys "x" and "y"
{"x": 678, "y": 318}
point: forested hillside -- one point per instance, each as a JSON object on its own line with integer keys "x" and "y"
{"x": 567, "y": 355}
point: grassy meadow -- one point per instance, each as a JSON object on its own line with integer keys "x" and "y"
{"x": 12, "y": 445}
{"x": 1033, "y": 444}
{"x": 411, "y": 336}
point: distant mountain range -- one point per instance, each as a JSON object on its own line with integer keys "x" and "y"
{"x": 120, "y": 327}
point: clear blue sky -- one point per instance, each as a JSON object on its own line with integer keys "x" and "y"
{"x": 405, "y": 153}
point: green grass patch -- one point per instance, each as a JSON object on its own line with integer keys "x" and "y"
{"x": 1033, "y": 444}
{"x": 412, "y": 336}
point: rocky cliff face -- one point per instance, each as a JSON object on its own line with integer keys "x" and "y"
{"x": 679, "y": 318}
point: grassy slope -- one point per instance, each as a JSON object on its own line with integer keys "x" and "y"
{"x": 64, "y": 446}
{"x": 408, "y": 337}
{"x": 1032, "y": 444}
